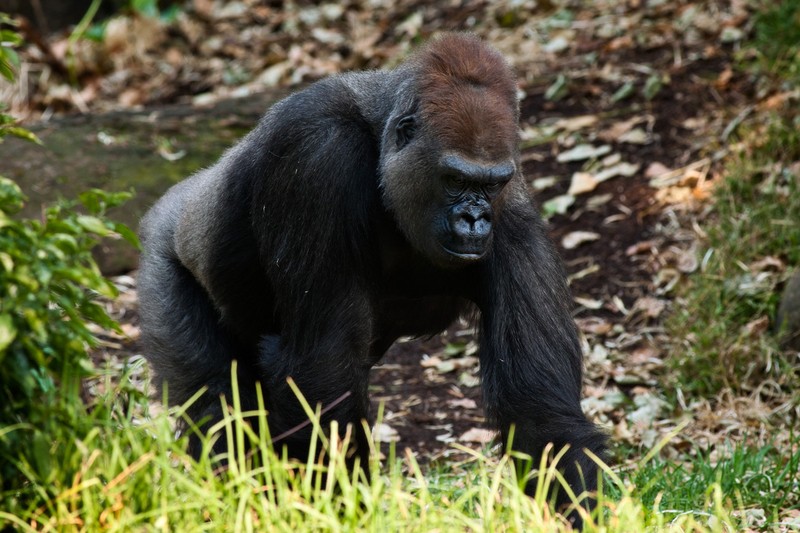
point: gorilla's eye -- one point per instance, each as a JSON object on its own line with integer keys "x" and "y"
{"x": 454, "y": 185}
{"x": 406, "y": 127}
{"x": 493, "y": 188}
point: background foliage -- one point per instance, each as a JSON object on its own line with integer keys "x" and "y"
{"x": 49, "y": 283}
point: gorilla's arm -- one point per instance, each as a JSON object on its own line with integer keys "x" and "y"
{"x": 531, "y": 359}
{"x": 315, "y": 204}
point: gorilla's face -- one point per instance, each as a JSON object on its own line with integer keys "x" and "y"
{"x": 443, "y": 200}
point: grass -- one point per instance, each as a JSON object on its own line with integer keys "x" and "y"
{"x": 753, "y": 234}
{"x": 777, "y": 39}
{"x": 757, "y": 209}
{"x": 127, "y": 472}
{"x": 130, "y": 474}
{"x": 748, "y": 478}
{"x": 122, "y": 470}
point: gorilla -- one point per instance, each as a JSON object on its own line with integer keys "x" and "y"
{"x": 366, "y": 207}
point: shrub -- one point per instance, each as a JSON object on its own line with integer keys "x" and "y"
{"x": 49, "y": 282}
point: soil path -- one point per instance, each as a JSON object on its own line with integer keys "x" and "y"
{"x": 429, "y": 388}
{"x": 627, "y": 107}
{"x": 430, "y": 405}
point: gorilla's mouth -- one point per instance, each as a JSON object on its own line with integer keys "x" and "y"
{"x": 465, "y": 256}
{"x": 467, "y": 249}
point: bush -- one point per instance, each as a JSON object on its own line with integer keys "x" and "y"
{"x": 49, "y": 282}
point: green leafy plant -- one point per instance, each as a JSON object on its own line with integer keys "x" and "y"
{"x": 8, "y": 40}
{"x": 8, "y": 62}
{"x": 49, "y": 283}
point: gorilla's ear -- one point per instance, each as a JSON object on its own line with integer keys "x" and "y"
{"x": 405, "y": 130}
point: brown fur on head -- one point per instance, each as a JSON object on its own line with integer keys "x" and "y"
{"x": 468, "y": 96}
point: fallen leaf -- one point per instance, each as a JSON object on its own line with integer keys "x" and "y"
{"x": 594, "y": 325}
{"x": 582, "y": 182}
{"x": 651, "y": 307}
{"x": 131, "y": 331}
{"x": 411, "y": 26}
{"x": 674, "y": 195}
{"x": 574, "y": 239}
{"x": 623, "y": 92}
{"x": 635, "y": 136}
{"x": 582, "y": 152}
{"x": 625, "y": 41}
{"x": 430, "y": 362}
{"x": 595, "y": 406}
{"x": 273, "y": 75}
{"x": 203, "y": 7}
{"x": 559, "y": 44}
{"x": 445, "y": 437}
{"x": 753, "y": 518}
{"x": 385, "y": 433}
{"x": 656, "y": 169}
{"x": 791, "y": 519}
{"x": 666, "y": 279}
{"x": 463, "y": 403}
{"x": 576, "y": 123}
{"x": 620, "y": 169}
{"x": 588, "y": 303}
{"x": 653, "y": 85}
{"x": 622, "y": 431}
{"x": 618, "y": 305}
{"x": 443, "y": 367}
{"x": 539, "y": 184}
{"x": 648, "y": 409}
{"x": 777, "y": 100}
{"x": 583, "y": 273}
{"x": 469, "y": 380}
{"x": 730, "y": 35}
{"x": 477, "y": 435}
{"x": 611, "y": 160}
{"x": 687, "y": 260}
{"x": 598, "y": 355}
{"x": 558, "y": 205}
{"x": 646, "y": 355}
{"x": 695, "y": 123}
{"x": 598, "y": 200}
{"x": 649, "y": 437}
{"x": 328, "y": 36}
{"x": 558, "y": 90}
{"x": 674, "y": 177}
{"x": 768, "y": 263}
{"x": 616, "y": 130}
{"x": 756, "y": 328}
{"x": 604, "y": 404}
{"x": 724, "y": 78}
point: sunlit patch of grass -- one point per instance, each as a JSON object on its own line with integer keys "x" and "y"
{"x": 777, "y": 38}
{"x": 757, "y": 212}
{"x": 748, "y": 478}
{"x": 756, "y": 218}
{"x": 134, "y": 475}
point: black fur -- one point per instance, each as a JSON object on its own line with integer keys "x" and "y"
{"x": 291, "y": 256}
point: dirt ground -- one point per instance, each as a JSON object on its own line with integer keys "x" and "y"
{"x": 626, "y": 110}
{"x": 427, "y": 407}
{"x": 429, "y": 387}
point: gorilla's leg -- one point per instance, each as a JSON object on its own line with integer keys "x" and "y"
{"x": 186, "y": 344}
{"x": 328, "y": 359}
